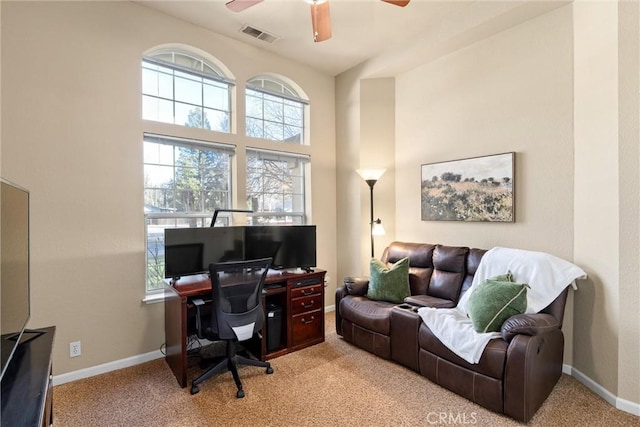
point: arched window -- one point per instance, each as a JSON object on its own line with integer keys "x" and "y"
{"x": 275, "y": 110}
{"x": 182, "y": 88}
{"x": 185, "y": 180}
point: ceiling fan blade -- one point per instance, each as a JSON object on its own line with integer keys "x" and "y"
{"x": 240, "y": 5}
{"x": 401, "y": 3}
{"x": 321, "y": 21}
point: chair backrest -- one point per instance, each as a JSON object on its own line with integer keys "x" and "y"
{"x": 237, "y": 298}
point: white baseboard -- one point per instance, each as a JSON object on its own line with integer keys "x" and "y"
{"x": 612, "y": 399}
{"x": 123, "y": 363}
{"x": 106, "y": 367}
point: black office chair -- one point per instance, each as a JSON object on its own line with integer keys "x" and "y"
{"x": 237, "y": 314}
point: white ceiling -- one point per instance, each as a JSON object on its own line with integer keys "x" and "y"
{"x": 362, "y": 29}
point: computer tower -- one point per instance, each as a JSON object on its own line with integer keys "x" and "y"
{"x": 274, "y": 327}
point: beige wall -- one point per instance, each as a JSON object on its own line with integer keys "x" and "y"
{"x": 606, "y": 128}
{"x": 71, "y": 109}
{"x": 524, "y": 89}
{"x": 629, "y": 188}
{"x": 509, "y": 92}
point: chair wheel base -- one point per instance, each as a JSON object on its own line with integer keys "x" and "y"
{"x": 269, "y": 370}
{"x": 240, "y": 394}
{"x": 194, "y": 389}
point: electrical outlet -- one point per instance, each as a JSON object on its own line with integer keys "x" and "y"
{"x": 74, "y": 349}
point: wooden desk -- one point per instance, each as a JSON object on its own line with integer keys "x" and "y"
{"x": 300, "y": 296}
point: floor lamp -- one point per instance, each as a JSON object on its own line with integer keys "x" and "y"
{"x": 371, "y": 176}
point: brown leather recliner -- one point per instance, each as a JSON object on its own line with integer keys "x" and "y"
{"x": 514, "y": 375}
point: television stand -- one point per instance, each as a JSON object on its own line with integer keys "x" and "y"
{"x": 27, "y": 335}
{"x": 27, "y": 387}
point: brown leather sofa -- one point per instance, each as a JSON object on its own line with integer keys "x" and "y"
{"x": 514, "y": 375}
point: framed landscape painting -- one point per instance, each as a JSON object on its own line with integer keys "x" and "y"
{"x": 476, "y": 189}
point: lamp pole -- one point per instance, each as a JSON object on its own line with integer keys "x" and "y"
{"x": 371, "y": 176}
{"x": 371, "y": 183}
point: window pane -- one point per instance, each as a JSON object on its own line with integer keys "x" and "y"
{"x": 273, "y": 131}
{"x": 158, "y": 153}
{"x": 165, "y": 86}
{"x": 292, "y": 134}
{"x": 216, "y": 120}
{"x": 157, "y": 109}
{"x": 254, "y": 128}
{"x": 158, "y": 176}
{"x": 254, "y": 107}
{"x": 293, "y": 115}
{"x": 188, "y": 91}
{"x": 187, "y": 61}
{"x": 216, "y": 97}
{"x": 149, "y": 108}
{"x": 149, "y": 82}
{"x": 273, "y": 111}
{"x": 188, "y": 115}
{"x": 159, "y": 200}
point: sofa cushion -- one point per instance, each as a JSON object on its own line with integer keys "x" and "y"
{"x": 494, "y": 301}
{"x": 372, "y": 315}
{"x": 420, "y": 263}
{"x": 389, "y": 283}
{"x": 491, "y": 363}
{"x": 449, "y": 263}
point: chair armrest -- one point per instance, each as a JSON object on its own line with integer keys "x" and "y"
{"x": 357, "y": 285}
{"x": 528, "y": 324}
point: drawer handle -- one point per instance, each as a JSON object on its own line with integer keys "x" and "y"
{"x": 308, "y": 291}
{"x": 311, "y": 304}
{"x": 306, "y": 322}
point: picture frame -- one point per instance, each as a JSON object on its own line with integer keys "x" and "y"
{"x": 476, "y": 189}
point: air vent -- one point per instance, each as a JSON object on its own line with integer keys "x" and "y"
{"x": 259, "y": 34}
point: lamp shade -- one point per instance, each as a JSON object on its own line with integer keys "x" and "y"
{"x": 370, "y": 174}
{"x": 377, "y": 229}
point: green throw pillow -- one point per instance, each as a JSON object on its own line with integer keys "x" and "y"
{"x": 494, "y": 301}
{"x": 389, "y": 283}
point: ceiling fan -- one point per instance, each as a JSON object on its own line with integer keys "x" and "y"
{"x": 320, "y": 17}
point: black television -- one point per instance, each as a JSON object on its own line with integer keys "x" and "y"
{"x": 14, "y": 268}
{"x": 191, "y": 250}
{"x": 290, "y": 246}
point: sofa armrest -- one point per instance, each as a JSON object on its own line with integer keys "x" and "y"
{"x": 357, "y": 285}
{"x": 528, "y": 324}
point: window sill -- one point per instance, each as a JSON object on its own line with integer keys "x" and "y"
{"x": 153, "y": 298}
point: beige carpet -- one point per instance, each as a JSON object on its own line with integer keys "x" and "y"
{"x": 330, "y": 384}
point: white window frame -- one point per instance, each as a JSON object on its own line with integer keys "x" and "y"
{"x": 166, "y": 64}
{"x": 294, "y": 214}
{"x": 277, "y": 124}
{"x": 163, "y": 219}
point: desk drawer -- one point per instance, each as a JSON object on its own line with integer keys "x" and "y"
{"x": 307, "y": 327}
{"x": 303, "y": 304}
{"x": 306, "y": 291}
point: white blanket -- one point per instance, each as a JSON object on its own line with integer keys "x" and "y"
{"x": 546, "y": 275}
